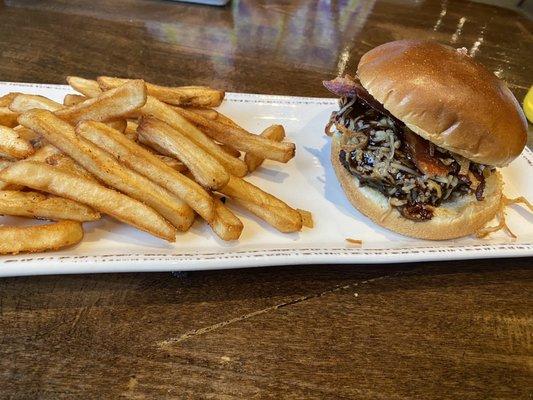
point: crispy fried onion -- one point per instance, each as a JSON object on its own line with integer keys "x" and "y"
{"x": 502, "y": 223}
{"x": 351, "y": 140}
{"x": 331, "y": 123}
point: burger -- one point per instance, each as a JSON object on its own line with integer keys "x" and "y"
{"x": 418, "y": 138}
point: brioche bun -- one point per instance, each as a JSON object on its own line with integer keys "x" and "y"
{"x": 451, "y": 220}
{"x": 446, "y": 97}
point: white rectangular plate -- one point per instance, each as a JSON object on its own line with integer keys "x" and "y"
{"x": 306, "y": 182}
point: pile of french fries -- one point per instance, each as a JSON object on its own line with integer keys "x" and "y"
{"x": 150, "y": 156}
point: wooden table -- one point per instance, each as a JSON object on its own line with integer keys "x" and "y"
{"x": 431, "y": 330}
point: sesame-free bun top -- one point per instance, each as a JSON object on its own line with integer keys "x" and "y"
{"x": 446, "y": 97}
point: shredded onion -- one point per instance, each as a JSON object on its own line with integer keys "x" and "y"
{"x": 463, "y": 163}
{"x": 404, "y": 168}
{"x": 502, "y": 224}
{"x": 483, "y": 232}
{"x": 518, "y": 200}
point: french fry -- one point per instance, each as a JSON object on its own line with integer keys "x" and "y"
{"x": 118, "y": 124}
{"x": 43, "y": 153}
{"x": 206, "y": 170}
{"x": 160, "y": 153}
{"x": 273, "y": 132}
{"x": 26, "y": 102}
{"x": 167, "y": 114}
{"x": 86, "y": 87}
{"x": 113, "y": 104}
{"x": 145, "y": 163}
{"x": 7, "y": 185}
{"x": 241, "y": 139}
{"x": 125, "y": 158}
{"x": 307, "y": 218}
{"x": 6, "y": 99}
{"x": 73, "y": 99}
{"x": 45, "y": 178}
{"x": 264, "y": 205}
{"x": 226, "y": 225}
{"x": 208, "y": 113}
{"x": 230, "y": 150}
{"x": 131, "y": 130}
{"x": 52, "y": 156}
{"x": 172, "y": 162}
{"x": 38, "y": 205}
{"x": 107, "y": 169}
{"x": 227, "y": 121}
{"x": 12, "y": 145}
{"x": 8, "y": 118}
{"x": 14, "y": 240}
{"x": 26, "y": 133}
{"x": 5, "y": 163}
{"x": 197, "y": 96}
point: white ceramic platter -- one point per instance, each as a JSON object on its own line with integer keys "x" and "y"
{"x": 306, "y": 182}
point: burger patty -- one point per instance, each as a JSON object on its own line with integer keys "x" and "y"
{"x": 415, "y": 175}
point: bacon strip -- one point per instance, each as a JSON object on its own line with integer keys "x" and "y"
{"x": 342, "y": 86}
{"x": 419, "y": 150}
{"x": 346, "y": 86}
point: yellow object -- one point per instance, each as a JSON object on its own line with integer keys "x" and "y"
{"x": 528, "y": 104}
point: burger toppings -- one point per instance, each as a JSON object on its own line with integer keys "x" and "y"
{"x": 413, "y": 173}
{"x": 422, "y": 153}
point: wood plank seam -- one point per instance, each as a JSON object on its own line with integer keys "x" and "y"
{"x": 164, "y": 344}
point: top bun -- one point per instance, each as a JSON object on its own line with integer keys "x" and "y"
{"x": 446, "y": 97}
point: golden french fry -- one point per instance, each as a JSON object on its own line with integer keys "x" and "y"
{"x": 8, "y": 118}
{"x": 276, "y": 217}
{"x": 26, "y": 133}
{"x": 227, "y": 121}
{"x": 14, "y": 240}
{"x": 86, "y": 87}
{"x": 307, "y": 218}
{"x": 208, "y": 113}
{"x": 145, "y": 163}
{"x": 52, "y": 156}
{"x": 241, "y": 139}
{"x": 5, "y": 163}
{"x": 64, "y": 162}
{"x": 6, "y": 185}
{"x": 230, "y": 150}
{"x": 167, "y": 114}
{"x": 43, "y": 153}
{"x": 26, "y": 102}
{"x": 110, "y": 105}
{"x": 118, "y": 124}
{"x": 6, "y": 99}
{"x": 72, "y": 99}
{"x": 226, "y": 225}
{"x": 264, "y": 205}
{"x": 273, "y": 132}
{"x": 131, "y": 130}
{"x": 12, "y": 145}
{"x": 161, "y": 153}
{"x": 206, "y": 170}
{"x": 106, "y": 168}
{"x": 172, "y": 162}
{"x": 197, "y": 96}
{"x": 38, "y": 205}
{"x": 43, "y": 177}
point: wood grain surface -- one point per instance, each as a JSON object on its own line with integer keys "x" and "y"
{"x": 449, "y": 330}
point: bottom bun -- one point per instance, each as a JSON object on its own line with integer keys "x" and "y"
{"x": 454, "y": 219}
